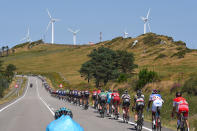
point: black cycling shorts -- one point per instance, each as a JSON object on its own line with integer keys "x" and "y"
{"x": 126, "y": 104}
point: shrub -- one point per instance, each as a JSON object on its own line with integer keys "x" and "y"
{"x": 190, "y": 85}
{"x": 151, "y": 39}
{"x": 181, "y": 53}
{"x": 160, "y": 56}
{"x": 122, "y": 78}
{"x": 180, "y": 43}
{"x": 145, "y": 77}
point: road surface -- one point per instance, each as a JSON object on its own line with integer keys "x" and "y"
{"x": 35, "y": 110}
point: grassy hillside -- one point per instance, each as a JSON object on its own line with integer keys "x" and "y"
{"x": 172, "y": 60}
{"x": 159, "y": 53}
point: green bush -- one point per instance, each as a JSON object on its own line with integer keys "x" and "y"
{"x": 122, "y": 78}
{"x": 151, "y": 39}
{"x": 181, "y": 53}
{"x": 190, "y": 85}
{"x": 180, "y": 43}
{"x": 160, "y": 56}
{"x": 20, "y": 45}
{"x": 145, "y": 77}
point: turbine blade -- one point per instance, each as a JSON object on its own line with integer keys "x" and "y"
{"x": 23, "y": 39}
{"x": 77, "y": 31}
{"x": 47, "y": 27}
{"x": 149, "y": 27}
{"x": 70, "y": 30}
{"x": 148, "y": 14}
{"x": 56, "y": 19}
{"x": 49, "y": 14}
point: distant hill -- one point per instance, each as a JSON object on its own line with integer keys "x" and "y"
{"x": 157, "y": 52}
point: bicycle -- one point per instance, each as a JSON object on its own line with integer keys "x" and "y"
{"x": 183, "y": 125}
{"x": 86, "y": 105}
{"x": 125, "y": 115}
{"x": 102, "y": 112}
{"x": 115, "y": 112}
{"x": 140, "y": 119}
{"x": 157, "y": 121}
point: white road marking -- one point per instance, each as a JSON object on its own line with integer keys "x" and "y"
{"x": 16, "y": 99}
{"x": 135, "y": 124}
{"x": 43, "y": 100}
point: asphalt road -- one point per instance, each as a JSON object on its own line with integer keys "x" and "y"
{"x": 34, "y": 111}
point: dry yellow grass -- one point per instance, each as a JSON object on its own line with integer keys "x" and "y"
{"x": 68, "y": 59}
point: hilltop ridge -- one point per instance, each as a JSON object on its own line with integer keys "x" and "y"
{"x": 156, "y": 52}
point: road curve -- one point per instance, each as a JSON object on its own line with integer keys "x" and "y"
{"x": 35, "y": 110}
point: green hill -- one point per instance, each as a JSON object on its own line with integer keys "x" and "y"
{"x": 159, "y": 53}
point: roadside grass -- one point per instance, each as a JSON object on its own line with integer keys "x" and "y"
{"x": 13, "y": 96}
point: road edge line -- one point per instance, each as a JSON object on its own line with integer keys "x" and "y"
{"x": 43, "y": 100}
{"x": 16, "y": 99}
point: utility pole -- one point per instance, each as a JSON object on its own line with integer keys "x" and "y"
{"x": 100, "y": 36}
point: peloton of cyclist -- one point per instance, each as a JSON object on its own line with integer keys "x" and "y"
{"x": 157, "y": 102}
{"x": 138, "y": 101}
{"x": 116, "y": 100}
{"x": 180, "y": 105}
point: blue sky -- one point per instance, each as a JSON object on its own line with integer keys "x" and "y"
{"x": 176, "y": 18}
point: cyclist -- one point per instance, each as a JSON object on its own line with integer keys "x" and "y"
{"x": 94, "y": 95}
{"x": 31, "y": 85}
{"x": 180, "y": 105}
{"x": 157, "y": 102}
{"x": 109, "y": 95}
{"x": 79, "y": 98}
{"x": 138, "y": 101}
{"x": 126, "y": 102}
{"x": 116, "y": 100}
{"x": 102, "y": 99}
{"x": 98, "y": 92}
{"x": 86, "y": 94}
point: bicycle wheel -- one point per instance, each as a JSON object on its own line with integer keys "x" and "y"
{"x": 182, "y": 123}
{"x": 139, "y": 121}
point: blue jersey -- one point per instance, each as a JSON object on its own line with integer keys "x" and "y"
{"x": 154, "y": 97}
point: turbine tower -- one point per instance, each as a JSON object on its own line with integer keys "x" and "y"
{"x": 74, "y": 35}
{"x": 52, "y": 22}
{"x": 146, "y": 22}
{"x": 27, "y": 37}
{"x": 126, "y": 34}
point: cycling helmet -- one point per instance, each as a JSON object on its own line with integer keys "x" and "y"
{"x": 154, "y": 91}
{"x": 178, "y": 94}
{"x": 139, "y": 92}
{"x": 126, "y": 92}
{"x": 115, "y": 90}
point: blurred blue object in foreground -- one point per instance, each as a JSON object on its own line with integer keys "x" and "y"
{"x": 64, "y": 123}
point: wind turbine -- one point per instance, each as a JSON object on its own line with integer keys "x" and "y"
{"x": 27, "y": 37}
{"x": 74, "y": 35}
{"x": 146, "y": 22}
{"x": 126, "y": 34}
{"x": 52, "y": 21}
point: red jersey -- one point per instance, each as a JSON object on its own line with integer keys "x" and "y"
{"x": 181, "y": 104}
{"x": 115, "y": 95}
{"x": 98, "y": 91}
{"x": 94, "y": 93}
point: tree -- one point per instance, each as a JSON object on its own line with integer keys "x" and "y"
{"x": 9, "y": 72}
{"x": 1, "y": 67}
{"x": 7, "y": 50}
{"x": 3, "y": 50}
{"x": 86, "y": 70}
{"x": 125, "y": 61}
